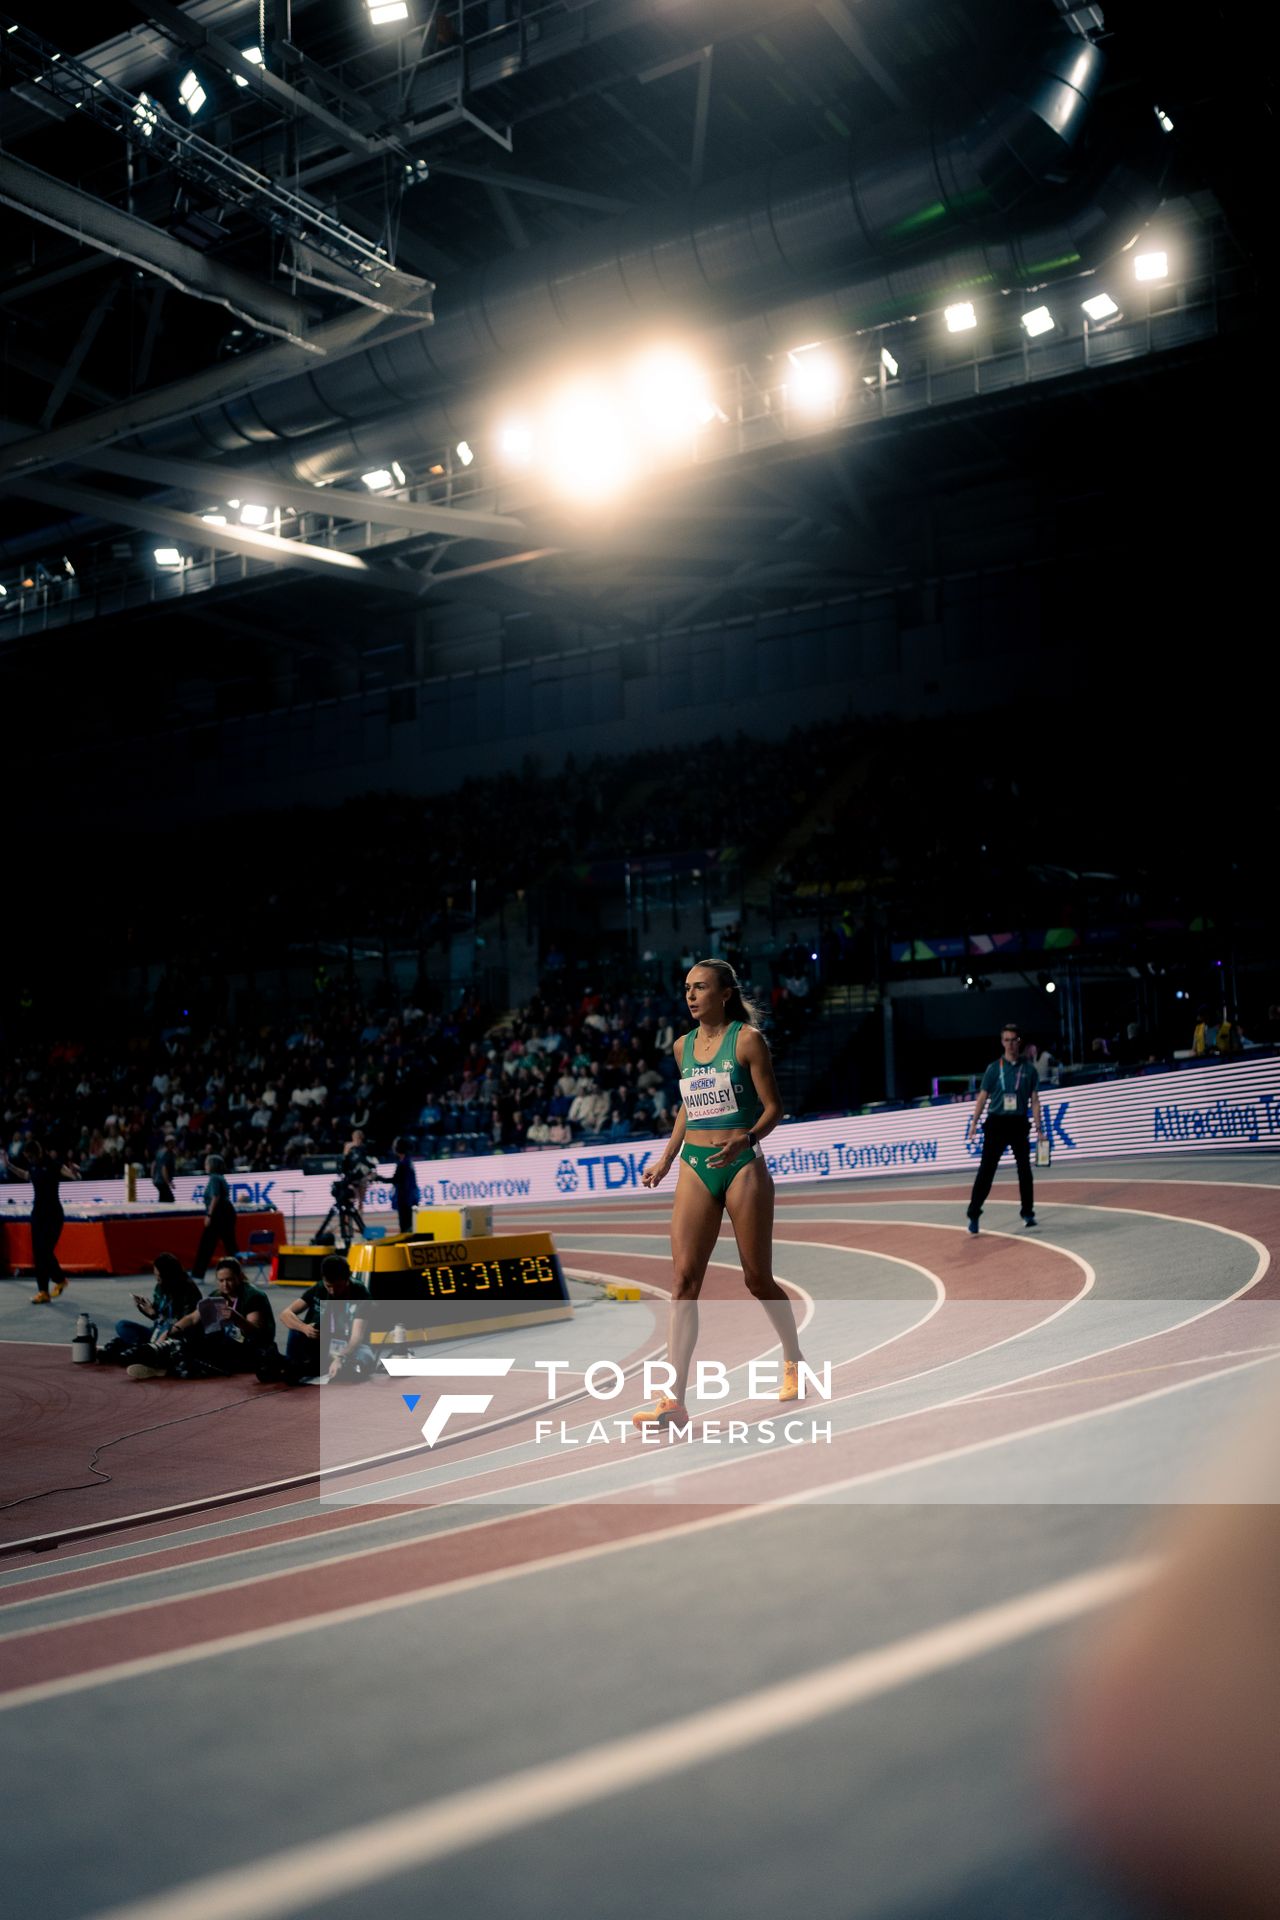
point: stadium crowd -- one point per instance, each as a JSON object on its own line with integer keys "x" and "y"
{"x": 569, "y": 1066}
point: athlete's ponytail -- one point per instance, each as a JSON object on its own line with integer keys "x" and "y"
{"x": 737, "y": 1007}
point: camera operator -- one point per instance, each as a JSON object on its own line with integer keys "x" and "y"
{"x": 359, "y": 1162}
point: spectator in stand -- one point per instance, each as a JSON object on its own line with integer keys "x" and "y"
{"x": 173, "y": 1296}
{"x": 1204, "y": 1039}
{"x": 220, "y": 1217}
{"x": 1229, "y": 1038}
{"x": 1046, "y": 1065}
{"x": 404, "y": 1185}
{"x": 232, "y": 1332}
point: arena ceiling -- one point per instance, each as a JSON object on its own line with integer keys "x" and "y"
{"x": 412, "y": 184}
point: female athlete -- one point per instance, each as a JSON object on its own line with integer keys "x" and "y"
{"x": 730, "y": 1101}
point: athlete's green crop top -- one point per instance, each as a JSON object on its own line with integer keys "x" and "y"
{"x": 718, "y": 1093}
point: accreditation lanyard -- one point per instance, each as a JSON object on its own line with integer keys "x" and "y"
{"x": 1009, "y": 1100}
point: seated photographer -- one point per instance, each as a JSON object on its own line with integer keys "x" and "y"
{"x": 233, "y": 1331}
{"x": 350, "y": 1354}
{"x": 173, "y": 1295}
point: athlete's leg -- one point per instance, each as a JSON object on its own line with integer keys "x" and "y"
{"x": 749, "y": 1204}
{"x": 695, "y": 1228}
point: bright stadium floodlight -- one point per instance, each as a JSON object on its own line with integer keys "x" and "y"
{"x": 378, "y": 479}
{"x": 191, "y": 93}
{"x": 515, "y": 443}
{"x": 666, "y": 394}
{"x": 214, "y": 519}
{"x": 168, "y": 556}
{"x": 464, "y": 453}
{"x": 254, "y": 516}
{"x": 1100, "y": 307}
{"x": 144, "y": 112}
{"x": 254, "y": 56}
{"x": 815, "y": 378}
{"x": 888, "y": 362}
{"x": 1164, "y": 119}
{"x": 589, "y": 451}
{"x": 1151, "y": 266}
{"x": 961, "y": 317}
{"x": 1038, "y": 321}
{"x": 382, "y": 13}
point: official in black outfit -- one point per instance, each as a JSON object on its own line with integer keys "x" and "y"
{"x": 220, "y": 1217}
{"x": 45, "y": 1171}
{"x": 1011, "y": 1087}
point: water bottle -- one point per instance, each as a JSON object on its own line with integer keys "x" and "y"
{"x": 84, "y": 1341}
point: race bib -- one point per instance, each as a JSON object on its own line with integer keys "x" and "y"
{"x": 1011, "y": 1103}
{"x": 708, "y": 1094}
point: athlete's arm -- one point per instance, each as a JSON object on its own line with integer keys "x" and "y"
{"x": 976, "y": 1115}
{"x": 753, "y": 1050}
{"x": 658, "y": 1169}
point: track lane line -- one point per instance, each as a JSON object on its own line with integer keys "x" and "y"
{"x": 323, "y": 1869}
{"x": 250, "y": 1639}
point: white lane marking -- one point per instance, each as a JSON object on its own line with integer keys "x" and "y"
{"x": 1264, "y": 1261}
{"x": 477, "y": 1466}
{"x": 1043, "y": 1426}
{"x": 353, "y": 1466}
{"x": 252, "y": 1638}
{"x": 323, "y": 1868}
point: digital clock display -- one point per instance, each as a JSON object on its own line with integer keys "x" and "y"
{"x": 518, "y": 1270}
{"x": 522, "y": 1277}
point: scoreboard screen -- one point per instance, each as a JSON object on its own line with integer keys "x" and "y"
{"x": 454, "y": 1287}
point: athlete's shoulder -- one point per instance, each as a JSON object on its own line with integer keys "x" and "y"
{"x": 751, "y": 1042}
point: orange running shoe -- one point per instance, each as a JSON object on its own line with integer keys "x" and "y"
{"x": 59, "y": 1288}
{"x": 40, "y": 1299}
{"x": 662, "y": 1415}
{"x": 790, "y": 1380}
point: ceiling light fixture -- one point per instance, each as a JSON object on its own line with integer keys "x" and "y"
{"x": 464, "y": 453}
{"x": 254, "y": 56}
{"x": 815, "y": 380}
{"x": 1038, "y": 321}
{"x": 168, "y": 556}
{"x": 961, "y": 317}
{"x": 254, "y": 516}
{"x": 191, "y": 93}
{"x": 1100, "y": 307}
{"x": 1151, "y": 266}
{"x": 382, "y": 13}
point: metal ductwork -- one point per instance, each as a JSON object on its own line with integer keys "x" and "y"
{"x": 1098, "y": 217}
{"x": 834, "y": 217}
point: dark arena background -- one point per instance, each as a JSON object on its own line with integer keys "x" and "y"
{"x": 510, "y": 507}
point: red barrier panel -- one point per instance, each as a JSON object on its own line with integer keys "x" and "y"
{"x": 127, "y": 1242}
